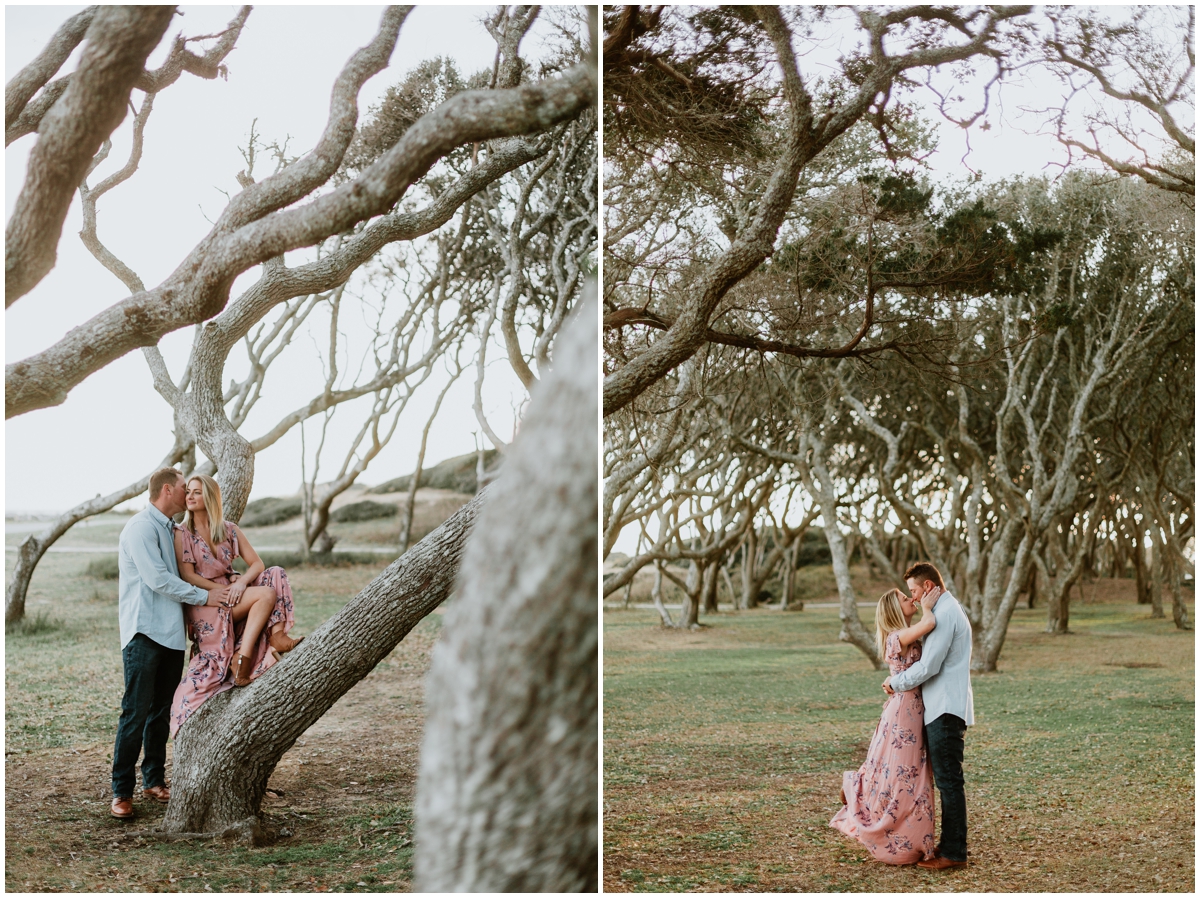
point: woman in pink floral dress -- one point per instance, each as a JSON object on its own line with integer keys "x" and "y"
{"x": 889, "y": 799}
{"x": 234, "y": 644}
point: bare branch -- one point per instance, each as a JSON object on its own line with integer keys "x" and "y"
{"x": 30, "y": 79}
{"x": 94, "y": 103}
{"x": 199, "y": 288}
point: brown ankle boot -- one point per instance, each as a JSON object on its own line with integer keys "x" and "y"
{"x": 281, "y": 642}
{"x": 241, "y": 670}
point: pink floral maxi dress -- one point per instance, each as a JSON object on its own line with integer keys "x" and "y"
{"x": 216, "y": 639}
{"x": 889, "y": 799}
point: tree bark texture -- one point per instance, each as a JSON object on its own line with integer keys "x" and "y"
{"x": 750, "y": 584}
{"x": 506, "y": 797}
{"x": 225, "y": 752}
{"x": 20, "y": 90}
{"x": 1000, "y": 597}
{"x": 118, "y": 41}
{"x": 853, "y": 630}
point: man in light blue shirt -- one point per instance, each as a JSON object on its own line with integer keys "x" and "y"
{"x": 150, "y": 610}
{"x": 944, "y": 671}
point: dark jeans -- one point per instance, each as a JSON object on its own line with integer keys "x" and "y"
{"x": 152, "y": 672}
{"x": 944, "y": 743}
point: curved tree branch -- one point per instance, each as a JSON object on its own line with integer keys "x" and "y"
{"x": 199, "y": 287}
{"x": 94, "y": 103}
{"x": 34, "y": 76}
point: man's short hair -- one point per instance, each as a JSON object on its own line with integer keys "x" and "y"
{"x": 923, "y": 570}
{"x": 161, "y": 478}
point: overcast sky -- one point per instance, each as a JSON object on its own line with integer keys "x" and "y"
{"x": 113, "y": 427}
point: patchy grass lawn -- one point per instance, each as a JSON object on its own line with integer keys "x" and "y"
{"x": 724, "y": 750}
{"x": 347, "y": 785}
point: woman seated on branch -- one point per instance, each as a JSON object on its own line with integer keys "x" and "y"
{"x": 235, "y": 643}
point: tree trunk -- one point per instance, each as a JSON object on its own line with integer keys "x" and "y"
{"x": 1179, "y": 612}
{"x": 789, "y": 574}
{"x": 689, "y": 614}
{"x": 733, "y": 596}
{"x": 1139, "y": 567}
{"x": 999, "y": 606}
{"x": 1058, "y": 615}
{"x": 1031, "y": 589}
{"x": 853, "y": 630}
{"x": 749, "y": 581}
{"x": 709, "y": 587}
{"x": 226, "y": 751}
{"x": 1157, "y": 575}
{"x": 656, "y": 595}
{"x": 507, "y": 791}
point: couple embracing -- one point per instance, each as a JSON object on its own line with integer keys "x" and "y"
{"x": 178, "y": 582}
{"x": 889, "y": 800}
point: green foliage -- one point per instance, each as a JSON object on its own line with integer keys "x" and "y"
{"x": 813, "y": 549}
{"x": 363, "y": 511}
{"x": 1054, "y": 317}
{"x": 701, "y": 98}
{"x": 265, "y": 512}
{"x": 431, "y": 83}
{"x": 104, "y": 568}
{"x": 901, "y": 193}
{"x": 34, "y": 625}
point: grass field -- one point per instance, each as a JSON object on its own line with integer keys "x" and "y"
{"x": 724, "y": 750}
{"x": 347, "y": 784}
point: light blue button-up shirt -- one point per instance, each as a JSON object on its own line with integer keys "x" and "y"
{"x": 945, "y": 665}
{"x": 152, "y": 595}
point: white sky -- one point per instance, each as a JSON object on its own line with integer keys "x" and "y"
{"x": 113, "y": 427}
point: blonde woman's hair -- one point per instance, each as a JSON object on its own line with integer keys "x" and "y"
{"x": 212, "y": 504}
{"x": 889, "y": 617}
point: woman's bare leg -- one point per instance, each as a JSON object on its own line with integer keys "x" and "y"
{"x": 255, "y": 608}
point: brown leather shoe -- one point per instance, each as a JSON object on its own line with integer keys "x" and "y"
{"x": 158, "y": 793}
{"x": 282, "y": 643}
{"x": 122, "y": 808}
{"x": 940, "y": 863}
{"x": 241, "y": 670}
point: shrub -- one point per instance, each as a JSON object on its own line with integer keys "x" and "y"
{"x": 456, "y": 474}
{"x": 103, "y": 568}
{"x": 813, "y": 549}
{"x": 265, "y": 512}
{"x": 363, "y": 511}
{"x": 33, "y": 626}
